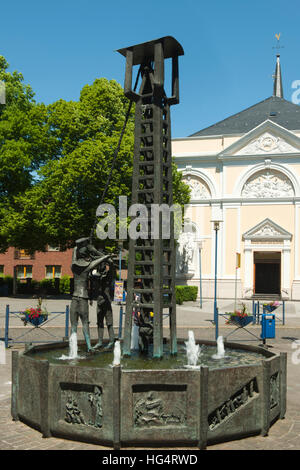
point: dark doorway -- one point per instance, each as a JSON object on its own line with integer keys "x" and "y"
{"x": 267, "y": 272}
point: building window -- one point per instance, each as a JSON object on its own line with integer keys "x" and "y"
{"x": 1, "y": 270}
{"x": 53, "y": 271}
{"x": 24, "y": 272}
{"x": 23, "y": 254}
{"x": 53, "y": 248}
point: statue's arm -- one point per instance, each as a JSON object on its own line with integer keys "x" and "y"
{"x": 96, "y": 262}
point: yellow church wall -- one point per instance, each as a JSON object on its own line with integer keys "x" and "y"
{"x": 232, "y": 174}
{"x": 295, "y": 170}
{"x": 206, "y": 257}
{"x": 207, "y": 225}
{"x": 227, "y": 141}
{"x": 201, "y": 216}
{"x": 281, "y": 214}
{"x": 231, "y": 227}
{"x": 214, "y": 175}
{"x": 184, "y": 146}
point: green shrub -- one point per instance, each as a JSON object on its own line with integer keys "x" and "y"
{"x": 6, "y": 285}
{"x": 49, "y": 286}
{"x": 64, "y": 285}
{"x": 185, "y": 294}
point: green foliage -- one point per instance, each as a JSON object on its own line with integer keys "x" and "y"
{"x": 181, "y": 191}
{"x": 6, "y": 285}
{"x": 64, "y": 285}
{"x": 55, "y": 161}
{"x": 185, "y": 294}
{"x": 47, "y": 284}
{"x": 25, "y": 144}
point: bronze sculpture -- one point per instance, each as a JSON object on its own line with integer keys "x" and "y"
{"x": 85, "y": 259}
{"x": 102, "y": 291}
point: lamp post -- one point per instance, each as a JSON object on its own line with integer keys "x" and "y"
{"x": 216, "y": 222}
{"x": 200, "y": 272}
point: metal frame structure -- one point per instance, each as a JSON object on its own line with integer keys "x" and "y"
{"x": 19, "y": 314}
{"x": 152, "y": 260}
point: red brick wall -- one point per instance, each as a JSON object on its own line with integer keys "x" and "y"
{"x": 41, "y": 259}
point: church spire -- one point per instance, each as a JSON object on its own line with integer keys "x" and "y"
{"x": 278, "y": 90}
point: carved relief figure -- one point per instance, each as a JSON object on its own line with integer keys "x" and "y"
{"x": 227, "y": 409}
{"x": 73, "y": 413}
{"x": 199, "y": 189}
{"x": 150, "y": 410}
{"x": 267, "y": 231}
{"x": 274, "y": 390}
{"x": 185, "y": 251}
{"x": 268, "y": 184}
{"x": 95, "y": 400}
{"x": 267, "y": 143}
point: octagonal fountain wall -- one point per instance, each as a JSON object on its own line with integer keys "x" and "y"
{"x": 115, "y": 406}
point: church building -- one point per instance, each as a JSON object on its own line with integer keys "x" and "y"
{"x": 244, "y": 175}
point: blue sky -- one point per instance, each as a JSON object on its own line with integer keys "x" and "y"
{"x": 60, "y": 46}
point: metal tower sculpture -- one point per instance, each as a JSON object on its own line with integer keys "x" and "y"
{"x": 152, "y": 260}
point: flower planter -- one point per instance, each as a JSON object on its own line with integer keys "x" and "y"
{"x": 241, "y": 321}
{"x": 270, "y": 308}
{"x": 37, "y": 320}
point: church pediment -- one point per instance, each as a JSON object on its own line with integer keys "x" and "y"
{"x": 266, "y": 139}
{"x": 267, "y": 230}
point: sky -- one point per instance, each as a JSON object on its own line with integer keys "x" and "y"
{"x": 229, "y": 49}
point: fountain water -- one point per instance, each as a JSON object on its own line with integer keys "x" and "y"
{"x": 220, "y": 349}
{"x": 117, "y": 354}
{"x": 73, "y": 348}
{"x": 192, "y": 350}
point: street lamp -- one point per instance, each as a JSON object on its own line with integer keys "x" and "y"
{"x": 216, "y": 220}
{"x": 200, "y": 271}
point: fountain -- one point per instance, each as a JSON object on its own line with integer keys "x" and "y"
{"x": 73, "y": 348}
{"x": 117, "y": 354}
{"x": 156, "y": 399}
{"x": 220, "y": 349}
{"x": 192, "y": 350}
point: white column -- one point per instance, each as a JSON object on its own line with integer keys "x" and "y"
{"x": 296, "y": 243}
{"x": 248, "y": 276}
{"x": 286, "y": 268}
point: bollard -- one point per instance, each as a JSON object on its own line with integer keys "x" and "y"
{"x": 6, "y": 326}
{"x": 67, "y": 321}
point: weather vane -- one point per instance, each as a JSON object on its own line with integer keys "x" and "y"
{"x": 278, "y": 46}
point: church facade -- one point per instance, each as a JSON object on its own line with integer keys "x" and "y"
{"x": 244, "y": 175}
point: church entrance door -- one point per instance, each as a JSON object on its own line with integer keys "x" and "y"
{"x": 267, "y": 272}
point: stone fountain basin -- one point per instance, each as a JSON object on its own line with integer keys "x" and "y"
{"x": 117, "y": 407}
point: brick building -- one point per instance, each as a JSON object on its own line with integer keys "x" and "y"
{"x": 50, "y": 264}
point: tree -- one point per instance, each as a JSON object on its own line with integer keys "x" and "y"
{"x": 25, "y": 144}
{"x": 59, "y": 204}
